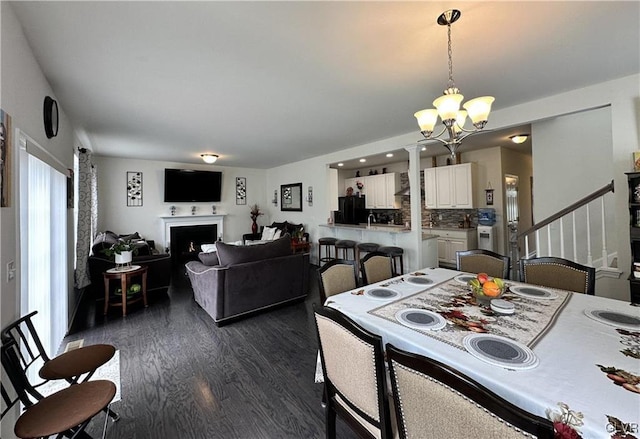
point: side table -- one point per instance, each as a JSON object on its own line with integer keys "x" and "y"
{"x": 125, "y": 276}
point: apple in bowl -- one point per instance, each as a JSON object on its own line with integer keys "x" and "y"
{"x": 485, "y": 287}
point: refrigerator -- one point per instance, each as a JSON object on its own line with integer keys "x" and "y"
{"x": 351, "y": 210}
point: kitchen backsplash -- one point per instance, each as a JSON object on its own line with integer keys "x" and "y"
{"x": 450, "y": 217}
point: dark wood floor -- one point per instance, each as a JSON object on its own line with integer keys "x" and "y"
{"x": 183, "y": 377}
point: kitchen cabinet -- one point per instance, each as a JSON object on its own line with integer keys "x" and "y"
{"x": 452, "y": 241}
{"x": 379, "y": 190}
{"x": 449, "y": 187}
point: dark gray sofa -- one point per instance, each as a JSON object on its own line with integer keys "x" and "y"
{"x": 238, "y": 281}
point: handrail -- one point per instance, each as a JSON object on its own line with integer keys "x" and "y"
{"x": 578, "y": 204}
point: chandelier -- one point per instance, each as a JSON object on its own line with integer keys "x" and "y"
{"x": 448, "y": 105}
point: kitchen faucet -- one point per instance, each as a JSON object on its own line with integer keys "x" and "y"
{"x": 369, "y": 218}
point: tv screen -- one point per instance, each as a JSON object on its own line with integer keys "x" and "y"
{"x": 189, "y": 185}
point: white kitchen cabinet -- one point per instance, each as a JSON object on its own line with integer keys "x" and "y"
{"x": 449, "y": 187}
{"x": 452, "y": 241}
{"x": 379, "y": 190}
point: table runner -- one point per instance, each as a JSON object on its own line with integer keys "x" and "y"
{"x": 455, "y": 302}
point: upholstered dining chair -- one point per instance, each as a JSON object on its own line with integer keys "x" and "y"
{"x": 64, "y": 413}
{"x": 354, "y": 376}
{"x": 75, "y": 366}
{"x": 558, "y": 273}
{"x": 337, "y": 276}
{"x": 376, "y": 266}
{"x": 483, "y": 261}
{"x": 434, "y": 400}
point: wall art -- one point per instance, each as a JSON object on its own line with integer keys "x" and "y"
{"x": 5, "y": 159}
{"x": 134, "y": 189}
{"x": 241, "y": 190}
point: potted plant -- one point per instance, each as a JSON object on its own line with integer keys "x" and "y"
{"x": 123, "y": 250}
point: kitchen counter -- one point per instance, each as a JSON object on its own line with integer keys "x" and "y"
{"x": 386, "y": 228}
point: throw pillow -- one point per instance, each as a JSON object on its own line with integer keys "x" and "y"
{"x": 210, "y": 259}
{"x": 278, "y": 234}
{"x": 232, "y": 254}
{"x": 208, "y": 248}
{"x": 268, "y": 234}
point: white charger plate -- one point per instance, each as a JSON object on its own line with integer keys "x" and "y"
{"x": 464, "y": 278}
{"x": 500, "y": 351}
{"x": 381, "y": 293}
{"x": 417, "y": 318}
{"x": 533, "y": 292}
{"x": 614, "y": 318}
{"x": 419, "y": 280}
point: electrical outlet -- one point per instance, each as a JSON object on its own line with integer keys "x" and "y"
{"x": 11, "y": 271}
{"x": 440, "y": 217}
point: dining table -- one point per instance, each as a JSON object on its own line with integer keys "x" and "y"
{"x": 568, "y": 357}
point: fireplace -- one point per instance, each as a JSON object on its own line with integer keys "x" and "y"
{"x": 186, "y": 242}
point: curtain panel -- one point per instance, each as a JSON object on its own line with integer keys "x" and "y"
{"x": 87, "y": 216}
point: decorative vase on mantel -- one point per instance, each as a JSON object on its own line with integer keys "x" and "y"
{"x": 254, "y": 227}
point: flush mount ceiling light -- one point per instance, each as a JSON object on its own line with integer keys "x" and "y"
{"x": 519, "y": 138}
{"x": 341, "y": 164}
{"x": 209, "y": 158}
{"x": 363, "y": 160}
{"x": 448, "y": 105}
{"x": 389, "y": 155}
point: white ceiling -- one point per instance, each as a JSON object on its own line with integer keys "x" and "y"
{"x": 267, "y": 83}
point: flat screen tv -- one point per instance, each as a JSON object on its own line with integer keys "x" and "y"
{"x": 183, "y": 185}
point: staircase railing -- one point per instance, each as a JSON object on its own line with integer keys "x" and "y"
{"x": 544, "y": 227}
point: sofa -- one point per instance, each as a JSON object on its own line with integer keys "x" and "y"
{"x": 236, "y": 281}
{"x": 159, "y": 271}
{"x": 275, "y": 231}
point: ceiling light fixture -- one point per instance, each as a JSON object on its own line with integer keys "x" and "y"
{"x": 389, "y": 155}
{"x": 363, "y": 160}
{"x": 340, "y": 164}
{"x": 519, "y": 138}
{"x": 448, "y": 105}
{"x": 209, "y": 158}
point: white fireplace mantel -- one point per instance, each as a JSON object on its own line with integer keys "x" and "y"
{"x": 190, "y": 220}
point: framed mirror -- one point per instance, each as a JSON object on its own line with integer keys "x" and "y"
{"x": 291, "y": 197}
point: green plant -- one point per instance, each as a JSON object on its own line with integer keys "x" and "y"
{"x": 120, "y": 247}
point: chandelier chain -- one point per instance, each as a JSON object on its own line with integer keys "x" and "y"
{"x": 450, "y": 84}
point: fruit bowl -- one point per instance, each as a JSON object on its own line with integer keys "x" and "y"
{"x": 486, "y": 288}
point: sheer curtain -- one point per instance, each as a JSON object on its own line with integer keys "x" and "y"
{"x": 87, "y": 218}
{"x": 43, "y": 243}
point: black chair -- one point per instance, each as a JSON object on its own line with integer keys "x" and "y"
{"x": 376, "y": 267}
{"x": 75, "y": 366}
{"x": 354, "y": 376}
{"x": 483, "y": 261}
{"x": 337, "y": 276}
{"x": 397, "y": 258}
{"x": 457, "y": 406}
{"x": 558, "y": 273}
{"x": 64, "y": 413}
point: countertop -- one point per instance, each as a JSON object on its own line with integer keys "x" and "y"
{"x": 385, "y": 228}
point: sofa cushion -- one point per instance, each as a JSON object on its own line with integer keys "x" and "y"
{"x": 210, "y": 258}
{"x": 232, "y": 254}
{"x": 102, "y": 242}
{"x": 268, "y": 234}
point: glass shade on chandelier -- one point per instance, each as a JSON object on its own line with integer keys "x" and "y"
{"x": 447, "y": 107}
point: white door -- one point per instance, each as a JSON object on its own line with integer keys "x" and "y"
{"x": 444, "y": 193}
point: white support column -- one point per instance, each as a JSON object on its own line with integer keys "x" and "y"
{"x": 416, "y": 198}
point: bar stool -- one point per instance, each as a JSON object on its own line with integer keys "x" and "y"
{"x": 396, "y": 255}
{"x": 327, "y": 243}
{"x": 366, "y": 247}
{"x": 345, "y": 245}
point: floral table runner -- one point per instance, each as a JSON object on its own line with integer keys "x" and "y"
{"x": 454, "y": 301}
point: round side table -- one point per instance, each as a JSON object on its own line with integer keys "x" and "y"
{"x": 125, "y": 276}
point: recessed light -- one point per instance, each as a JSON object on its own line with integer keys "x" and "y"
{"x": 363, "y": 160}
{"x": 390, "y": 155}
{"x": 424, "y": 148}
{"x": 340, "y": 164}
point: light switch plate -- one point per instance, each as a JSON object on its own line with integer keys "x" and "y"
{"x": 11, "y": 271}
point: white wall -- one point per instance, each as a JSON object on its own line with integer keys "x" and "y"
{"x": 115, "y": 215}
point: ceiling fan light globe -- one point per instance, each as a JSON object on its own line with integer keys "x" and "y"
{"x": 479, "y": 109}
{"x": 448, "y": 106}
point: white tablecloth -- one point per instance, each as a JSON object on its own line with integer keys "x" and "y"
{"x": 569, "y": 354}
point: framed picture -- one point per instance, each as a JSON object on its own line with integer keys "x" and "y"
{"x": 291, "y": 197}
{"x": 241, "y": 190}
{"x": 134, "y": 189}
{"x": 636, "y": 161}
{"x": 489, "y": 194}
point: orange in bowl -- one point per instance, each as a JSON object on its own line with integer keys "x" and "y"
{"x": 491, "y": 289}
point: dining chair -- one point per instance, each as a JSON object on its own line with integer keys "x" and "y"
{"x": 75, "y": 366}
{"x": 354, "y": 376}
{"x": 434, "y": 400}
{"x": 376, "y": 266}
{"x": 558, "y": 273}
{"x": 63, "y": 413}
{"x": 483, "y": 261}
{"x": 337, "y": 276}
